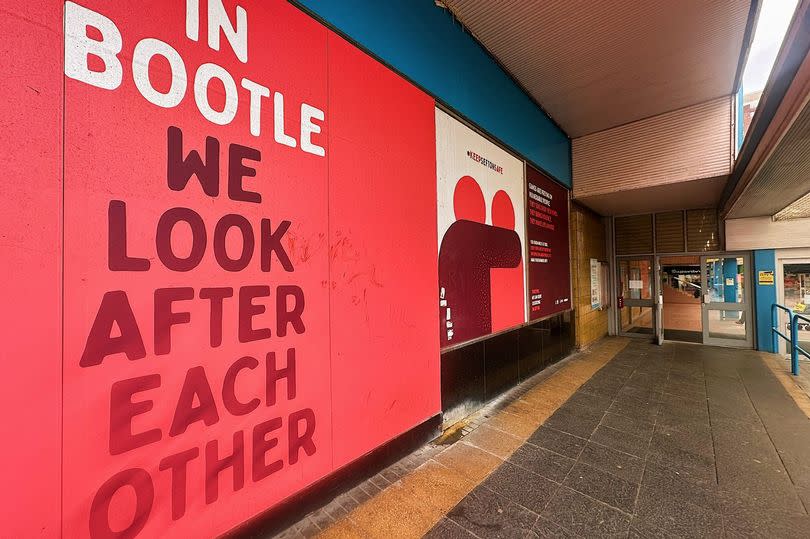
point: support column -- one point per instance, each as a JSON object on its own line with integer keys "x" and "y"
{"x": 765, "y": 296}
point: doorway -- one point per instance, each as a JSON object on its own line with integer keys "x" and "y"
{"x": 635, "y": 284}
{"x": 726, "y": 307}
{"x": 703, "y": 299}
{"x": 794, "y": 293}
{"x": 681, "y": 293}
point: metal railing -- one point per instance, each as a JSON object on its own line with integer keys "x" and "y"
{"x": 793, "y": 339}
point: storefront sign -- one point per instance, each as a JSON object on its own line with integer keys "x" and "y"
{"x": 765, "y": 277}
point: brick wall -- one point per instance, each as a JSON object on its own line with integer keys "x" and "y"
{"x": 587, "y": 241}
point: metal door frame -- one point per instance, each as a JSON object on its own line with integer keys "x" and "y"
{"x": 786, "y": 256}
{"x": 628, "y": 302}
{"x": 746, "y": 306}
{"x": 658, "y": 294}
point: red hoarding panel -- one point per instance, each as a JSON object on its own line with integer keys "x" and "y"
{"x": 211, "y": 203}
{"x": 30, "y": 250}
{"x": 547, "y": 231}
{"x": 382, "y": 217}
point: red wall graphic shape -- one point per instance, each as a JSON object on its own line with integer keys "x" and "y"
{"x": 30, "y": 255}
{"x": 480, "y": 267}
{"x": 506, "y": 283}
{"x": 382, "y": 196}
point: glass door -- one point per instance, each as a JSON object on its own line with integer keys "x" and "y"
{"x": 726, "y": 307}
{"x": 681, "y": 294}
{"x": 636, "y": 292}
{"x": 795, "y": 295}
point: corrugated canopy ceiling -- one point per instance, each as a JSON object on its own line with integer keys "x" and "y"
{"x": 780, "y": 186}
{"x": 596, "y": 64}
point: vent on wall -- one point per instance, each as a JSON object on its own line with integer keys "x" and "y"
{"x": 693, "y": 231}
{"x": 669, "y": 233}
{"x": 634, "y": 234}
{"x": 702, "y": 232}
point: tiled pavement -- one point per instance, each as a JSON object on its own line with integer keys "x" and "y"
{"x": 408, "y": 498}
{"x": 672, "y": 441}
{"x": 621, "y": 441}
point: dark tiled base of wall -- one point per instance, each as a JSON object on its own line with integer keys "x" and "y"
{"x": 479, "y": 372}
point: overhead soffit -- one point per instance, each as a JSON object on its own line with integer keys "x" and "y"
{"x": 798, "y": 210}
{"x": 595, "y": 65}
{"x": 784, "y": 178}
{"x": 703, "y": 193}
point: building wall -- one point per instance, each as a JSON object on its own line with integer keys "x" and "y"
{"x": 286, "y": 327}
{"x": 30, "y": 258}
{"x": 587, "y": 242}
{"x": 765, "y": 233}
{"x": 678, "y": 146}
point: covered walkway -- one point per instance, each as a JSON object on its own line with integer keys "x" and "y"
{"x": 628, "y": 439}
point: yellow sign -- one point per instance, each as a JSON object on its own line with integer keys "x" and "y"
{"x": 766, "y": 277}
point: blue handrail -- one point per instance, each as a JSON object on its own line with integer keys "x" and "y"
{"x": 793, "y": 339}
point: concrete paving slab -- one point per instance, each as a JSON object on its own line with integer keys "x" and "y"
{"x": 671, "y": 441}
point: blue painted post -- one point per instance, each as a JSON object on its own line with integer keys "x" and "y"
{"x": 765, "y": 294}
{"x": 730, "y": 290}
{"x": 794, "y": 345}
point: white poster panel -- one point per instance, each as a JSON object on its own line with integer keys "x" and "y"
{"x": 481, "y": 227}
{"x": 596, "y": 284}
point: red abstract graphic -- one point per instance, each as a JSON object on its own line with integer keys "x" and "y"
{"x": 480, "y": 267}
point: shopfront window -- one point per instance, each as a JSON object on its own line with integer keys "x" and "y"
{"x": 796, "y": 279}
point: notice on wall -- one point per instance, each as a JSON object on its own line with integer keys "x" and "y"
{"x": 635, "y": 284}
{"x": 596, "y": 284}
{"x": 549, "y": 272}
{"x": 220, "y": 250}
{"x": 766, "y": 277}
{"x": 481, "y": 234}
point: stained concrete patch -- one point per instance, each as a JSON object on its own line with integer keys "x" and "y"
{"x": 530, "y": 490}
{"x": 488, "y": 514}
{"x": 560, "y": 442}
{"x": 585, "y": 516}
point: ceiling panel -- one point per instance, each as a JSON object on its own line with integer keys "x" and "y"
{"x": 703, "y": 193}
{"x": 798, "y": 210}
{"x": 784, "y": 178}
{"x": 593, "y": 65}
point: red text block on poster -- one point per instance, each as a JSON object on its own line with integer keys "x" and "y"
{"x": 549, "y": 273}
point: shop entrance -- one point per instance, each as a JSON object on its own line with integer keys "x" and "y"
{"x": 681, "y": 293}
{"x": 672, "y": 283}
{"x": 726, "y": 307}
{"x": 635, "y": 284}
{"x": 794, "y": 293}
{"x": 702, "y": 299}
